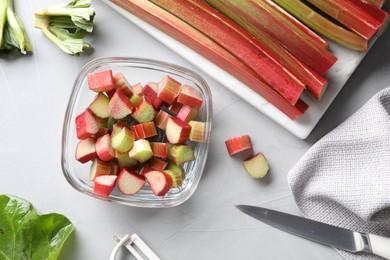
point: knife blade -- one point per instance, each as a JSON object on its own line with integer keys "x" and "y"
{"x": 323, "y": 233}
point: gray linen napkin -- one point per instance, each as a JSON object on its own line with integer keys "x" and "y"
{"x": 344, "y": 179}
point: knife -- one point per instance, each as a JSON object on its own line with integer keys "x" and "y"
{"x": 333, "y": 236}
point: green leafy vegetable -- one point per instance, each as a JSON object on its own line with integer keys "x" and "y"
{"x": 67, "y": 24}
{"x": 24, "y": 234}
{"x": 13, "y": 35}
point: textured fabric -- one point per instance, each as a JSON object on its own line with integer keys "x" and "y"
{"x": 344, "y": 179}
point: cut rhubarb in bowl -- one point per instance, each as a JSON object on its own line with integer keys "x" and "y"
{"x": 141, "y": 117}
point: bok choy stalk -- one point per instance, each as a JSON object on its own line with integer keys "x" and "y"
{"x": 13, "y": 35}
{"x": 67, "y": 24}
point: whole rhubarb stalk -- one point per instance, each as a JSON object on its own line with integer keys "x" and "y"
{"x": 238, "y": 42}
{"x": 206, "y": 47}
{"x": 315, "y": 83}
{"x": 274, "y": 21}
{"x": 324, "y": 26}
{"x": 350, "y": 15}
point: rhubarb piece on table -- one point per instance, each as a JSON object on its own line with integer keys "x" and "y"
{"x": 159, "y": 182}
{"x": 189, "y": 96}
{"x": 144, "y": 130}
{"x": 104, "y": 148}
{"x": 240, "y": 43}
{"x": 86, "y": 124}
{"x": 123, "y": 140}
{"x": 257, "y": 166}
{"x": 187, "y": 113}
{"x": 104, "y": 185}
{"x": 144, "y": 111}
{"x": 85, "y": 150}
{"x": 101, "y": 81}
{"x": 150, "y": 91}
{"x": 197, "y": 131}
{"x": 130, "y": 182}
{"x": 141, "y": 151}
{"x": 238, "y": 144}
{"x": 206, "y": 47}
{"x": 159, "y": 149}
{"x": 180, "y": 154}
{"x": 120, "y": 105}
{"x": 168, "y": 89}
{"x": 177, "y": 130}
{"x": 100, "y": 106}
{"x": 99, "y": 168}
{"x": 124, "y": 160}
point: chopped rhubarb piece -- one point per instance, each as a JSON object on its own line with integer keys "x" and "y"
{"x": 266, "y": 16}
{"x": 123, "y": 140}
{"x": 135, "y": 99}
{"x": 145, "y": 169}
{"x": 159, "y": 149}
{"x": 238, "y": 144}
{"x": 120, "y": 80}
{"x": 150, "y": 93}
{"x": 144, "y": 112}
{"x": 99, "y": 168}
{"x": 137, "y": 89}
{"x": 161, "y": 119}
{"x": 144, "y": 130}
{"x": 157, "y": 163}
{"x": 141, "y": 151}
{"x": 100, "y": 106}
{"x": 203, "y": 45}
{"x": 350, "y": 15}
{"x": 180, "y": 154}
{"x": 130, "y": 182}
{"x": 256, "y": 166}
{"x": 197, "y": 131}
{"x": 168, "y": 89}
{"x": 102, "y": 131}
{"x": 177, "y": 130}
{"x": 124, "y": 160}
{"x": 104, "y": 148}
{"x": 115, "y": 168}
{"x": 174, "y": 108}
{"x": 177, "y": 173}
{"x": 104, "y": 185}
{"x": 159, "y": 182}
{"x": 187, "y": 113}
{"x": 324, "y": 26}
{"x": 101, "y": 81}
{"x": 85, "y": 150}
{"x": 189, "y": 96}
{"x": 240, "y": 43}
{"x": 86, "y": 124}
{"x": 120, "y": 105}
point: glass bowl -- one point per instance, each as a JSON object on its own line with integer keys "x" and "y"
{"x": 143, "y": 71}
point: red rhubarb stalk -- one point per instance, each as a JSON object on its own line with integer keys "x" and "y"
{"x": 239, "y": 42}
{"x": 263, "y": 15}
{"x": 378, "y": 3}
{"x": 350, "y": 15}
{"x": 324, "y": 26}
{"x": 315, "y": 83}
{"x": 203, "y": 45}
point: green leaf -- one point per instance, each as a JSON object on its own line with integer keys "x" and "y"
{"x": 24, "y": 234}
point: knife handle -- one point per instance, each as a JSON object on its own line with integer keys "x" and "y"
{"x": 380, "y": 245}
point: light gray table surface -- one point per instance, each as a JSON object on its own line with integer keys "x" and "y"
{"x": 34, "y": 94}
